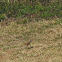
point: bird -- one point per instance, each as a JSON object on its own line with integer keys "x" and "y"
{"x": 27, "y": 43}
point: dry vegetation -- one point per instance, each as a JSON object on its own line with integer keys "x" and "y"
{"x": 46, "y": 36}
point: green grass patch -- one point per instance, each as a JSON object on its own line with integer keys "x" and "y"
{"x": 19, "y": 9}
{"x": 2, "y": 17}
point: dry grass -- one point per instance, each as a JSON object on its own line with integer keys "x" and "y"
{"x": 46, "y": 39}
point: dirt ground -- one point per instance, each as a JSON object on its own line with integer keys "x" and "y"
{"x": 46, "y": 45}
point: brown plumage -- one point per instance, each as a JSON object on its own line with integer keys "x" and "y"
{"x": 28, "y": 43}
